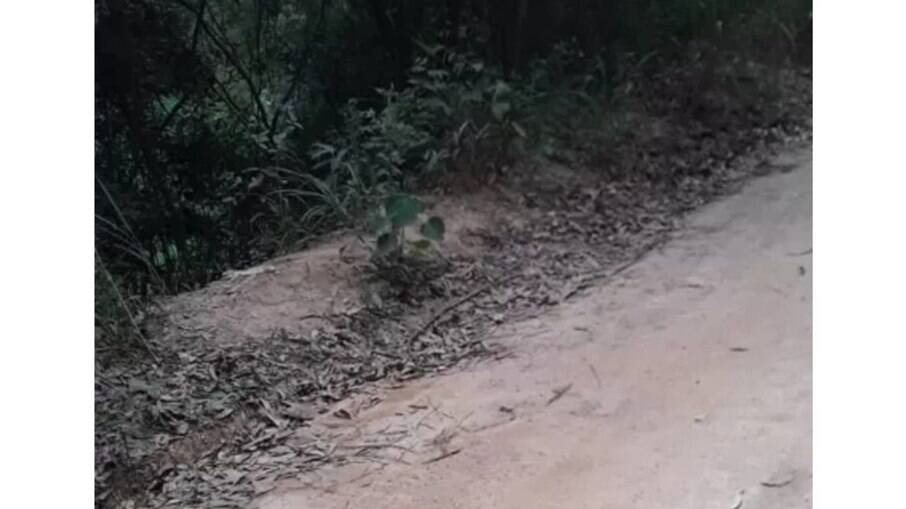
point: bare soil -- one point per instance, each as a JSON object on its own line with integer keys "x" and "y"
{"x": 297, "y": 292}
{"x": 684, "y": 382}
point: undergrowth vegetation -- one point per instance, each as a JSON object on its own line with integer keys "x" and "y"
{"x": 227, "y": 132}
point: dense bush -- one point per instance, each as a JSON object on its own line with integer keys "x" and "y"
{"x": 228, "y": 131}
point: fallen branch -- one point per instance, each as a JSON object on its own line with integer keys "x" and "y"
{"x": 588, "y": 278}
{"x": 455, "y": 304}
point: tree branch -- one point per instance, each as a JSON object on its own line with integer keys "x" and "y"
{"x": 294, "y": 82}
{"x": 232, "y": 59}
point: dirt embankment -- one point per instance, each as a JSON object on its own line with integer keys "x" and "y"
{"x": 684, "y": 382}
{"x": 252, "y": 364}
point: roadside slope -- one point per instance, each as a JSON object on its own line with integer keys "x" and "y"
{"x": 685, "y": 382}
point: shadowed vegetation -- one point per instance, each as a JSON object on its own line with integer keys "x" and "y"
{"x": 229, "y": 131}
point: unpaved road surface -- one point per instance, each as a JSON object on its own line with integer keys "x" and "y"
{"x": 684, "y": 382}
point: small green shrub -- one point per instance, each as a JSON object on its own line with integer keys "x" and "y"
{"x": 398, "y": 215}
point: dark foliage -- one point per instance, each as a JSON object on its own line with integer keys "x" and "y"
{"x": 229, "y": 130}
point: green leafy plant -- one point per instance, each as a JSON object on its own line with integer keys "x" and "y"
{"x": 399, "y": 229}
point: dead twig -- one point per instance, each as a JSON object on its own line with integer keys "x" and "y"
{"x": 558, "y": 393}
{"x": 367, "y": 447}
{"x": 445, "y": 455}
{"x": 512, "y": 417}
{"x": 455, "y": 304}
{"x": 595, "y": 373}
{"x": 315, "y": 317}
{"x": 587, "y": 279}
{"x": 801, "y": 253}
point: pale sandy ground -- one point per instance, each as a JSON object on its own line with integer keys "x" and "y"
{"x": 691, "y": 387}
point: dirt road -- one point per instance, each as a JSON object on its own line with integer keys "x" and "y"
{"x": 683, "y": 383}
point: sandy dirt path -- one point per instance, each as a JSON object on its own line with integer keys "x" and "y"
{"x": 683, "y": 383}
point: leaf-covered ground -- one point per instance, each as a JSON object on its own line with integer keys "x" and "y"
{"x": 214, "y": 424}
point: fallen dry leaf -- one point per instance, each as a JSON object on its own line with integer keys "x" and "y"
{"x": 737, "y": 501}
{"x": 779, "y": 479}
